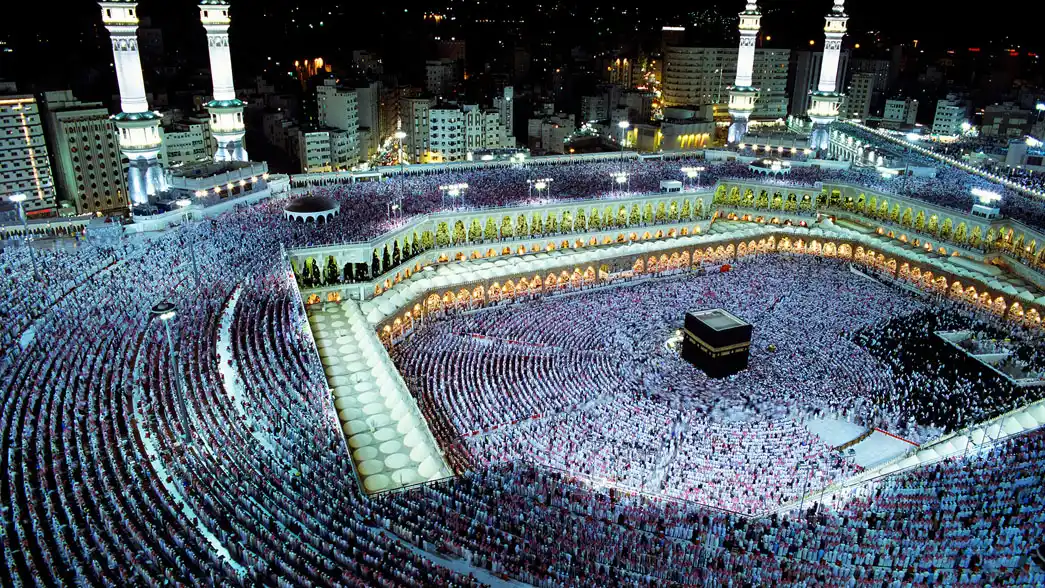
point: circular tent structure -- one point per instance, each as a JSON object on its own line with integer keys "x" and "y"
{"x": 311, "y": 209}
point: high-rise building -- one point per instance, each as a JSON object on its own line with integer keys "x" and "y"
{"x": 505, "y": 106}
{"x": 24, "y": 166}
{"x": 805, "y": 77}
{"x": 368, "y": 101}
{"x": 415, "y": 116}
{"x": 457, "y": 131}
{"x": 1007, "y": 120}
{"x": 442, "y": 76}
{"x": 900, "y": 111}
{"x": 858, "y": 95}
{"x": 186, "y": 140}
{"x": 882, "y": 72}
{"x": 952, "y": 113}
{"x": 88, "y": 167}
{"x": 694, "y": 76}
{"x": 671, "y": 36}
{"x": 138, "y": 127}
{"x": 325, "y": 150}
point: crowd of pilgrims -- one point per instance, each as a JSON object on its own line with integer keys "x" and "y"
{"x": 364, "y": 205}
{"x": 584, "y": 383}
{"x": 105, "y": 481}
{"x": 950, "y": 186}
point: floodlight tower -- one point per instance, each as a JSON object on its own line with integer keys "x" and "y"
{"x": 742, "y": 94}
{"x": 226, "y": 111}
{"x": 139, "y": 127}
{"x": 827, "y": 99}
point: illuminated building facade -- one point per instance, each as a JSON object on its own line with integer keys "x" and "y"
{"x": 24, "y": 166}
{"x": 88, "y": 167}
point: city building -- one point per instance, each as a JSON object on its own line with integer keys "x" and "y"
{"x": 87, "y": 165}
{"x": 695, "y": 76}
{"x": 280, "y": 131}
{"x": 442, "y": 76}
{"x": 326, "y": 149}
{"x": 415, "y": 117}
{"x": 1007, "y": 120}
{"x": 882, "y": 70}
{"x": 638, "y": 105}
{"x": 547, "y": 134}
{"x": 338, "y": 109}
{"x": 683, "y": 129}
{"x": 368, "y": 106}
{"x": 805, "y": 77}
{"x": 24, "y": 165}
{"x": 858, "y": 96}
{"x": 186, "y": 140}
{"x": 455, "y": 132}
{"x": 900, "y": 112}
{"x": 505, "y": 106}
{"x": 952, "y": 114}
{"x": 594, "y": 108}
{"x": 612, "y": 102}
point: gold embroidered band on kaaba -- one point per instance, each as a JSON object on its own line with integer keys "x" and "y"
{"x": 716, "y": 351}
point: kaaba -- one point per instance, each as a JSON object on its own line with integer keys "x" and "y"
{"x": 717, "y": 342}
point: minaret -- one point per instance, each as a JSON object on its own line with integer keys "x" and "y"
{"x": 139, "y": 127}
{"x": 226, "y": 111}
{"x": 742, "y": 95}
{"x": 827, "y": 99}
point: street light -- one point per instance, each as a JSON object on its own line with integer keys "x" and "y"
{"x": 623, "y": 129}
{"x": 694, "y": 172}
{"x": 538, "y": 185}
{"x": 192, "y": 252}
{"x": 19, "y": 200}
{"x": 166, "y": 312}
{"x": 453, "y": 191}
{"x": 622, "y": 178}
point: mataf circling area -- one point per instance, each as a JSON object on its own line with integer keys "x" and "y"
{"x": 583, "y": 383}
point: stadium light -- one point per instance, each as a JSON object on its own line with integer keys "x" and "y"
{"x": 693, "y": 172}
{"x": 538, "y": 184}
{"x": 19, "y": 200}
{"x": 453, "y": 190}
{"x": 623, "y": 130}
{"x": 986, "y": 196}
{"x": 165, "y": 311}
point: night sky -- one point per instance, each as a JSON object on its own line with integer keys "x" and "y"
{"x": 73, "y": 49}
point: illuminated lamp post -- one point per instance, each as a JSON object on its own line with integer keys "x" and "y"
{"x": 623, "y": 130}
{"x": 453, "y": 191}
{"x": 166, "y": 312}
{"x": 19, "y": 200}
{"x": 693, "y": 172}
{"x": 539, "y": 185}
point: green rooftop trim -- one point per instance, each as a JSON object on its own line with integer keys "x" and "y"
{"x": 234, "y": 103}
{"x": 136, "y": 116}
